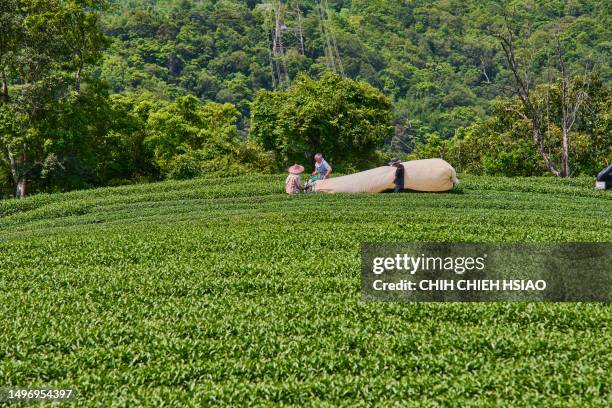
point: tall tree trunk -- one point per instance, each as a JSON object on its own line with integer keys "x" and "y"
{"x": 13, "y": 163}
{"x": 23, "y": 179}
{"x": 21, "y": 188}
{"x": 78, "y": 77}
{"x": 18, "y": 171}
{"x": 484, "y": 70}
{"x": 5, "y": 93}
{"x": 565, "y": 154}
{"x": 537, "y": 141}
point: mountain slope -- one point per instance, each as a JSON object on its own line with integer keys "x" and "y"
{"x": 435, "y": 59}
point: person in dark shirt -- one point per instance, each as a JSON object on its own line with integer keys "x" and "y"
{"x": 399, "y": 175}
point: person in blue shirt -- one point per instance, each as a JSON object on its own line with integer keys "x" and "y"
{"x": 322, "y": 168}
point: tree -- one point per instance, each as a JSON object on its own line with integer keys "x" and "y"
{"x": 32, "y": 57}
{"x": 537, "y": 111}
{"x": 502, "y": 144}
{"x": 188, "y": 137}
{"x": 344, "y": 119}
{"x": 34, "y": 64}
{"x": 82, "y": 35}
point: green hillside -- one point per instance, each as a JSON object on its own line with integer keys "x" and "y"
{"x": 226, "y": 291}
{"x": 111, "y": 92}
{"x": 434, "y": 58}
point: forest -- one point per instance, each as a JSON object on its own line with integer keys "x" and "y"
{"x": 100, "y": 92}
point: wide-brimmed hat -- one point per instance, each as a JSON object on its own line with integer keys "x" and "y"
{"x": 393, "y": 161}
{"x": 296, "y": 169}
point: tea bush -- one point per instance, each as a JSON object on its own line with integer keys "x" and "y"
{"x": 225, "y": 291}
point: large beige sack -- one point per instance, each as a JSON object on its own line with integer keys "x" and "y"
{"x": 429, "y": 175}
{"x": 420, "y": 175}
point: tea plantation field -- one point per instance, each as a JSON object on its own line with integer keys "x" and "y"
{"x": 228, "y": 292}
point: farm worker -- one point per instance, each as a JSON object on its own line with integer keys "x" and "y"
{"x": 399, "y": 175}
{"x": 322, "y": 168}
{"x": 293, "y": 183}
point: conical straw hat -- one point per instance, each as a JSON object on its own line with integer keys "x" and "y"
{"x": 296, "y": 169}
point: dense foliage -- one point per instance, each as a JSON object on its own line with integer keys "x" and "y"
{"x": 501, "y": 144}
{"x": 44, "y": 48}
{"x": 224, "y": 291}
{"x": 189, "y": 138}
{"x": 80, "y": 78}
{"x": 345, "y": 119}
{"x": 435, "y": 59}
